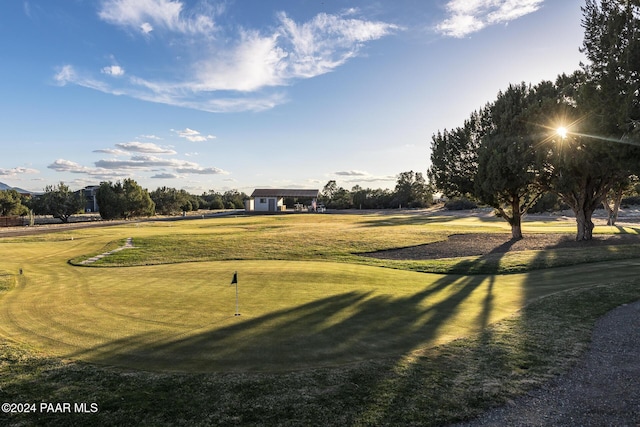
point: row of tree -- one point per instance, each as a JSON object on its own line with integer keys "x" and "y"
{"x": 127, "y": 199}
{"x": 411, "y": 191}
{"x": 577, "y": 137}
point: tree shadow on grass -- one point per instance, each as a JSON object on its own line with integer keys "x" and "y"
{"x": 393, "y": 387}
{"x": 339, "y": 329}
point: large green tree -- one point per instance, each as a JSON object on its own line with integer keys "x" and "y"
{"x": 170, "y": 201}
{"x": 454, "y": 155}
{"x": 124, "y": 199}
{"x": 60, "y": 202}
{"x": 11, "y": 203}
{"x": 412, "y": 190}
{"x": 507, "y": 177}
{"x": 584, "y": 164}
{"x": 601, "y": 106}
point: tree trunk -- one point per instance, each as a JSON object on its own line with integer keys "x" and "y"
{"x": 516, "y": 220}
{"x": 612, "y": 212}
{"x": 585, "y": 224}
{"x": 516, "y": 231}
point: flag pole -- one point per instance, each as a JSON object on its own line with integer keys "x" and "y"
{"x": 235, "y": 280}
{"x": 237, "y": 303}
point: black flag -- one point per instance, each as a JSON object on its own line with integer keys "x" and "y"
{"x": 235, "y": 278}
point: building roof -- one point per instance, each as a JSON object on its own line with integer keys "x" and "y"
{"x": 280, "y": 192}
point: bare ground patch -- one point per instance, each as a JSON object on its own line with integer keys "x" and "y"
{"x": 477, "y": 244}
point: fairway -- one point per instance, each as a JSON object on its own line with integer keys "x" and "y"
{"x": 295, "y": 314}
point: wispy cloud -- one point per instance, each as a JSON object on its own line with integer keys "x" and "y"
{"x": 144, "y": 147}
{"x": 193, "y": 135}
{"x": 62, "y": 165}
{"x": 146, "y": 15}
{"x": 225, "y": 69}
{"x": 468, "y": 16}
{"x": 113, "y": 151}
{"x": 67, "y": 74}
{"x": 18, "y": 171}
{"x": 165, "y": 175}
{"x": 143, "y": 159}
{"x": 351, "y": 173}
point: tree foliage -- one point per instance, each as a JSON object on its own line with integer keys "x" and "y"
{"x": 11, "y": 203}
{"x": 600, "y": 107}
{"x": 60, "y": 202}
{"x": 170, "y": 201}
{"x": 454, "y": 155}
{"x": 507, "y": 173}
{"x": 412, "y": 190}
{"x": 124, "y": 199}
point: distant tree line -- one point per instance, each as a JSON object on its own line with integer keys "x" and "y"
{"x": 127, "y": 199}
{"x": 575, "y": 139}
{"x": 411, "y": 191}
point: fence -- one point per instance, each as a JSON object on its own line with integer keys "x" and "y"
{"x": 11, "y": 221}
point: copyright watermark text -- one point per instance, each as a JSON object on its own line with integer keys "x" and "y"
{"x": 50, "y": 408}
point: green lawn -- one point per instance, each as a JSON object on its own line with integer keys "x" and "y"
{"x": 317, "y": 320}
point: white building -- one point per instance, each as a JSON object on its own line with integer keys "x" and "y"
{"x": 272, "y": 199}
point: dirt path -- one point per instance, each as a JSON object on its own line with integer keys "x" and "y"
{"x": 602, "y": 390}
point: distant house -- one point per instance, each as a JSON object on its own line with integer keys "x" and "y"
{"x": 89, "y": 194}
{"x": 272, "y": 199}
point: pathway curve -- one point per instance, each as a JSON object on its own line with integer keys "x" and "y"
{"x": 602, "y": 390}
{"x": 128, "y": 244}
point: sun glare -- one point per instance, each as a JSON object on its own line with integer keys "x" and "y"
{"x": 562, "y": 131}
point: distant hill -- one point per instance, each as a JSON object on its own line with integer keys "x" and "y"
{"x": 4, "y": 187}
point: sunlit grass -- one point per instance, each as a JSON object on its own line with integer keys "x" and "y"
{"x": 308, "y": 299}
{"x": 432, "y": 387}
{"x": 336, "y": 339}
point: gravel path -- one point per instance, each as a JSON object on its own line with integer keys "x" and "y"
{"x": 602, "y": 390}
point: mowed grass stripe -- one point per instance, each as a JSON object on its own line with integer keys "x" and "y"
{"x": 314, "y": 313}
{"x": 295, "y": 313}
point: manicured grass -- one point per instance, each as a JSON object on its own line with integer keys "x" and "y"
{"x": 297, "y": 313}
{"x": 431, "y": 387}
{"x": 325, "y": 337}
{"x": 342, "y": 237}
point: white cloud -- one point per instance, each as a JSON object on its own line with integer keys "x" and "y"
{"x": 165, "y": 176}
{"x": 151, "y": 162}
{"x": 239, "y": 71}
{"x": 351, "y": 173}
{"x": 17, "y": 171}
{"x": 138, "y": 162}
{"x": 113, "y": 70}
{"x": 147, "y": 15}
{"x": 144, "y": 147}
{"x": 62, "y": 165}
{"x": 68, "y": 74}
{"x": 146, "y": 28}
{"x": 469, "y": 16}
{"x": 193, "y": 135}
{"x": 113, "y": 151}
{"x": 149, "y": 137}
{"x": 202, "y": 171}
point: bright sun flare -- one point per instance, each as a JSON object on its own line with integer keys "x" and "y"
{"x": 562, "y": 131}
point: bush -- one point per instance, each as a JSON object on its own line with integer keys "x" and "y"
{"x": 460, "y": 204}
{"x": 631, "y": 201}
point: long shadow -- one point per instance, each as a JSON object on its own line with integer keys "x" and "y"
{"x": 530, "y": 356}
{"x": 322, "y": 334}
{"x": 338, "y": 329}
{"x": 423, "y": 219}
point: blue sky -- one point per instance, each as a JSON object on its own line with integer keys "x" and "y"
{"x": 218, "y": 95}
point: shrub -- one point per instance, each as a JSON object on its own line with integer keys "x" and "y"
{"x": 460, "y": 204}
